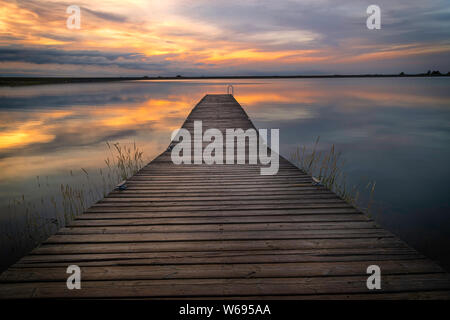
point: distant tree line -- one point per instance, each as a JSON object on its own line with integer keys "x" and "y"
{"x": 429, "y": 73}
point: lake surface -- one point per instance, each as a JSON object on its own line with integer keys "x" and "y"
{"x": 394, "y": 131}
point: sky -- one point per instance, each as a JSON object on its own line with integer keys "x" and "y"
{"x": 222, "y": 37}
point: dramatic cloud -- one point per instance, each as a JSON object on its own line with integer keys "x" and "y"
{"x": 79, "y": 57}
{"x": 138, "y": 37}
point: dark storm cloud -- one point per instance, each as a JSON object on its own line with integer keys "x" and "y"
{"x": 78, "y": 57}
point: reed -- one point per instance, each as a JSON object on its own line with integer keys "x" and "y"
{"x": 31, "y": 220}
{"x": 126, "y": 160}
{"x": 327, "y": 169}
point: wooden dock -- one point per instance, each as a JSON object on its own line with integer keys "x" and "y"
{"x": 223, "y": 231}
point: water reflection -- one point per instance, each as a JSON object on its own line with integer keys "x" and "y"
{"x": 393, "y": 131}
{"x": 71, "y": 132}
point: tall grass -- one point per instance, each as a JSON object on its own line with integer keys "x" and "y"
{"x": 31, "y": 221}
{"x": 125, "y": 161}
{"x": 327, "y": 169}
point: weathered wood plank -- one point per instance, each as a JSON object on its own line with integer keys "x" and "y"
{"x": 224, "y": 287}
{"x": 224, "y": 257}
{"x": 218, "y": 245}
{"x": 89, "y": 229}
{"x": 219, "y": 235}
{"x": 136, "y": 219}
{"x": 221, "y": 271}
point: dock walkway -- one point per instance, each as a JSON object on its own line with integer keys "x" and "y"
{"x": 223, "y": 231}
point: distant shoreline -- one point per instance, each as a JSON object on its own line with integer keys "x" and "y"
{"x": 26, "y": 81}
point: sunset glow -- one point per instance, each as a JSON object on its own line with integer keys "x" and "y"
{"x": 194, "y": 38}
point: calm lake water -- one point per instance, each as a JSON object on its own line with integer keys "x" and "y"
{"x": 393, "y": 131}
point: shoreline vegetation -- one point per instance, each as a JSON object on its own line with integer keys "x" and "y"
{"x": 326, "y": 167}
{"x": 35, "y": 217}
{"x": 26, "y": 81}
